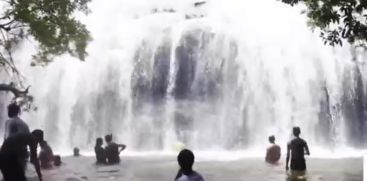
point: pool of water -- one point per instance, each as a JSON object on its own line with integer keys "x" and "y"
{"x": 164, "y": 168}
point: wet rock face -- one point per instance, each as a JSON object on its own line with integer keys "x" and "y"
{"x": 186, "y": 64}
{"x": 353, "y": 107}
{"x": 205, "y": 88}
{"x": 193, "y": 74}
{"x": 196, "y": 87}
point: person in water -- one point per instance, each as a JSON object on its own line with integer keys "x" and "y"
{"x": 186, "y": 160}
{"x": 11, "y": 150}
{"x": 57, "y": 160}
{"x": 273, "y": 152}
{"x": 76, "y": 152}
{"x": 296, "y": 150}
{"x": 113, "y": 150}
{"x": 46, "y": 155}
{"x": 100, "y": 152}
{"x": 18, "y": 126}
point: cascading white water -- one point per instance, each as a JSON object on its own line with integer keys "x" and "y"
{"x": 220, "y": 76}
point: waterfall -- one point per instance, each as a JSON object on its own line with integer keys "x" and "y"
{"x": 219, "y": 75}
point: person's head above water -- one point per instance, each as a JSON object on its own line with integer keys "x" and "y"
{"x": 13, "y": 110}
{"x": 296, "y": 131}
{"x": 76, "y": 151}
{"x": 38, "y": 134}
{"x": 99, "y": 142}
{"x": 186, "y": 159}
{"x": 108, "y": 138}
{"x": 272, "y": 139}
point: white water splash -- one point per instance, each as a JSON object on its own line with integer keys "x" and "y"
{"x": 222, "y": 76}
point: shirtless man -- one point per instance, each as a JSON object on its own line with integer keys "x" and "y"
{"x": 273, "y": 152}
{"x": 46, "y": 155}
{"x": 296, "y": 150}
{"x": 113, "y": 150}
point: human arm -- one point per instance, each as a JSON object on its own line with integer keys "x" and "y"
{"x": 287, "y": 158}
{"x": 34, "y": 160}
{"x": 26, "y": 128}
{"x": 38, "y": 169}
{"x": 306, "y": 149}
{"x": 6, "y": 131}
{"x": 278, "y": 153}
{"x": 267, "y": 155}
{"x": 121, "y": 147}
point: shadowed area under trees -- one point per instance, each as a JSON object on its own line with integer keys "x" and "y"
{"x": 51, "y": 24}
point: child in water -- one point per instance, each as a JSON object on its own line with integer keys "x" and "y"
{"x": 100, "y": 152}
{"x": 273, "y": 152}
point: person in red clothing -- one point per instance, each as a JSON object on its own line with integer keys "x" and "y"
{"x": 273, "y": 152}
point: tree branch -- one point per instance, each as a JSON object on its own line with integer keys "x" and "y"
{"x": 7, "y": 24}
{"x": 10, "y": 57}
{"x": 25, "y": 100}
{"x": 7, "y": 63}
{"x": 11, "y": 88}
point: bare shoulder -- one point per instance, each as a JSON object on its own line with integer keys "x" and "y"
{"x": 197, "y": 177}
{"x": 8, "y": 121}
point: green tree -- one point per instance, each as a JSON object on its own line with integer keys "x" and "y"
{"x": 50, "y": 23}
{"x": 337, "y": 19}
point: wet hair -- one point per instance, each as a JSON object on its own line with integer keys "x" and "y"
{"x": 296, "y": 131}
{"x": 13, "y": 110}
{"x": 186, "y": 159}
{"x": 99, "y": 141}
{"x": 38, "y": 134}
{"x": 76, "y": 151}
{"x": 272, "y": 139}
{"x": 108, "y": 138}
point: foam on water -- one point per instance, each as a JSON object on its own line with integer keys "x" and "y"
{"x": 237, "y": 155}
